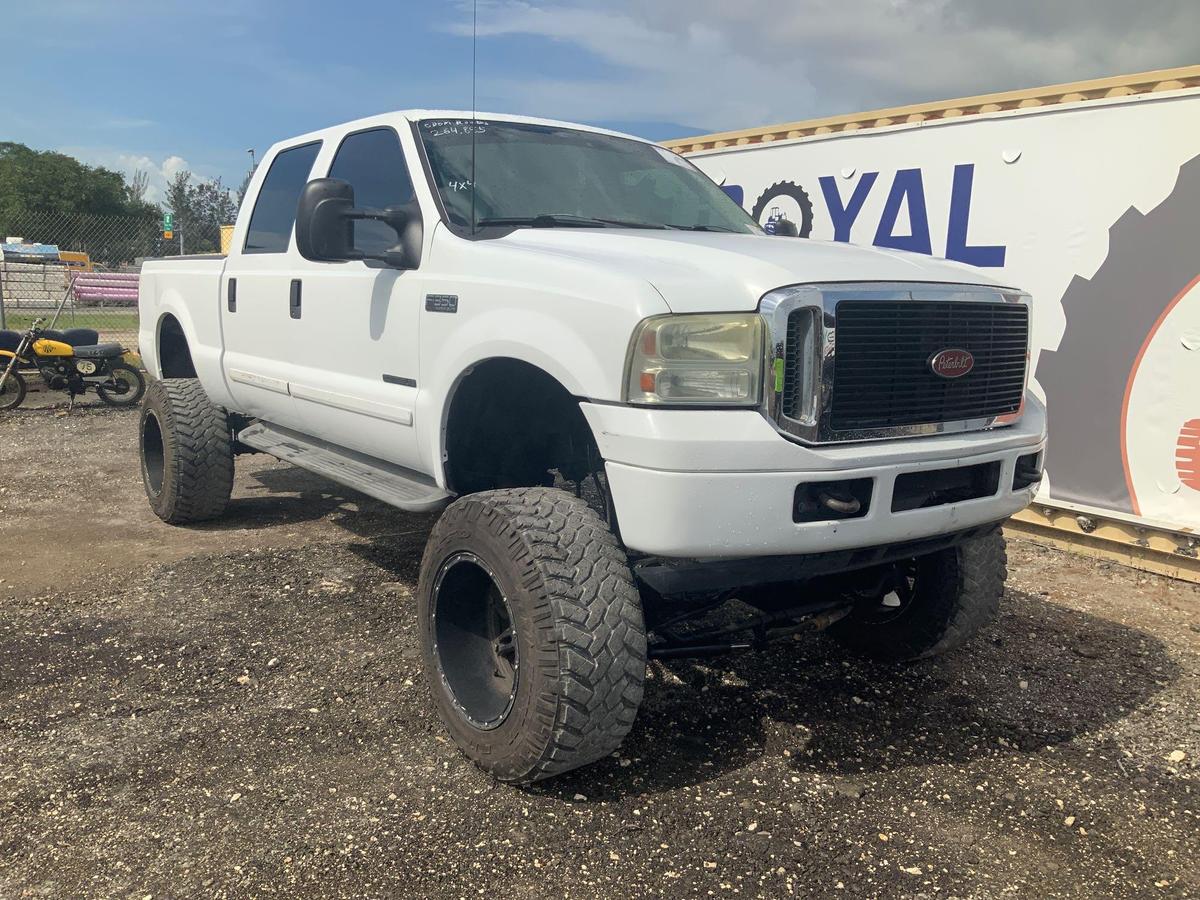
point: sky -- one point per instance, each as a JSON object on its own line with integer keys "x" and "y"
{"x": 168, "y": 86}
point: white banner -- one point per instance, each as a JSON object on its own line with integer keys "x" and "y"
{"x": 1092, "y": 207}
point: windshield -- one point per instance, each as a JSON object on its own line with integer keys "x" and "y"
{"x": 549, "y": 176}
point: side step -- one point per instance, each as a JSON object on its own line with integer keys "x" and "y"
{"x": 384, "y": 481}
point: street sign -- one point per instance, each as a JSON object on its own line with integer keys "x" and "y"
{"x": 168, "y": 222}
{"x": 168, "y": 235}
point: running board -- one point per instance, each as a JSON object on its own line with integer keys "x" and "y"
{"x": 384, "y": 481}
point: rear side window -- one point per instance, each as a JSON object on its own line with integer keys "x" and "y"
{"x": 275, "y": 208}
{"x": 373, "y": 163}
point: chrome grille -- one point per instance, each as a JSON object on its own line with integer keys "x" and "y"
{"x": 794, "y": 400}
{"x": 881, "y": 375}
{"x": 851, "y": 360}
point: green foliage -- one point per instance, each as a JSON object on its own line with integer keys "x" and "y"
{"x": 49, "y": 182}
{"x": 245, "y": 185}
{"x": 52, "y": 198}
{"x": 200, "y": 208}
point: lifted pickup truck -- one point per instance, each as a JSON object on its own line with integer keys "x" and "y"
{"x": 656, "y": 431}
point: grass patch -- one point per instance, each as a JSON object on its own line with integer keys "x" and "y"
{"x": 103, "y": 320}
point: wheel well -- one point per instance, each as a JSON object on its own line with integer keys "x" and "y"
{"x": 174, "y": 355}
{"x": 511, "y": 424}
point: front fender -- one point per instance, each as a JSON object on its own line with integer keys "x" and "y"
{"x": 558, "y": 351}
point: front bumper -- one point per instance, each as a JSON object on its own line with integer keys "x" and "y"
{"x": 721, "y": 484}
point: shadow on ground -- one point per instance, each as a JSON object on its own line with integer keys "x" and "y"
{"x": 851, "y": 718}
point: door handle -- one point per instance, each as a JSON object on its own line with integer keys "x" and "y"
{"x": 231, "y": 292}
{"x": 294, "y": 299}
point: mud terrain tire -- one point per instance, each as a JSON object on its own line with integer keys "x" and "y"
{"x": 576, "y": 640}
{"x": 955, "y": 593}
{"x": 186, "y": 452}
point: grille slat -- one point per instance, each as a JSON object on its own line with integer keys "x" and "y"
{"x": 881, "y": 374}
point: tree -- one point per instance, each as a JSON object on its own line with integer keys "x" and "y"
{"x": 46, "y": 182}
{"x": 135, "y": 190}
{"x": 200, "y": 209}
{"x": 245, "y": 185}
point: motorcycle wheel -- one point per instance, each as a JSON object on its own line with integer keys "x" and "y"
{"x": 128, "y": 385}
{"x": 13, "y": 392}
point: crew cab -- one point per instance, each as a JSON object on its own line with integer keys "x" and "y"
{"x": 632, "y": 405}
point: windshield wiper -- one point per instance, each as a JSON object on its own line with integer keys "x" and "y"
{"x": 567, "y": 220}
{"x": 705, "y": 228}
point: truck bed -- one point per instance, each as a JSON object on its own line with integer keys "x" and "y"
{"x": 189, "y": 292}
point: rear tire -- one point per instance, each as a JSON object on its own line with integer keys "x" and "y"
{"x": 131, "y": 378}
{"x": 186, "y": 452}
{"x": 951, "y": 595}
{"x": 531, "y": 632}
{"x": 14, "y": 391}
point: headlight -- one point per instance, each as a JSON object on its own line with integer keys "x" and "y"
{"x": 696, "y": 360}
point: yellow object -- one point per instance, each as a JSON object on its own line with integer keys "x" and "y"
{"x": 76, "y": 260}
{"x": 1074, "y": 92}
{"x": 46, "y": 347}
{"x": 1141, "y": 545}
{"x": 226, "y": 238}
{"x": 7, "y": 353}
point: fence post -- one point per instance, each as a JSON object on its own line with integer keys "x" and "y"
{"x": 3, "y": 320}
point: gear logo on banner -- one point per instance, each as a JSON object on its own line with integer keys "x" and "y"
{"x": 1126, "y": 337}
{"x": 784, "y": 200}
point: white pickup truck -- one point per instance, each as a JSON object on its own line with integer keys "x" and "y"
{"x": 635, "y": 405}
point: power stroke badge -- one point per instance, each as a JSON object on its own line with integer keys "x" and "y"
{"x": 443, "y": 303}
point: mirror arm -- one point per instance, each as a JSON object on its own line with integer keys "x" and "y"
{"x": 394, "y": 257}
{"x": 379, "y": 215}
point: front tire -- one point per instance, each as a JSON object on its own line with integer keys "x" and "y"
{"x": 12, "y": 394}
{"x": 186, "y": 452}
{"x": 944, "y": 599}
{"x": 129, "y": 387}
{"x": 532, "y": 634}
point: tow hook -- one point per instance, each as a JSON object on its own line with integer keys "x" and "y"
{"x": 840, "y": 503}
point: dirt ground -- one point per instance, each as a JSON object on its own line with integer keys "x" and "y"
{"x": 237, "y": 710}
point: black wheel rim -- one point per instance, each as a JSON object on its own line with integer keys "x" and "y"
{"x": 474, "y": 643}
{"x": 122, "y": 387}
{"x": 122, "y": 383}
{"x": 153, "y": 455}
{"x": 896, "y": 599}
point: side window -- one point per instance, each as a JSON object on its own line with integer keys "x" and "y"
{"x": 275, "y": 208}
{"x": 373, "y": 163}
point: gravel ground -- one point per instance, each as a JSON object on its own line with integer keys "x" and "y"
{"x": 238, "y": 710}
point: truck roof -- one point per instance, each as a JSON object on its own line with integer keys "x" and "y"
{"x": 411, "y": 115}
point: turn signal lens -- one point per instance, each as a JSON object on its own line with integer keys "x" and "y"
{"x": 697, "y": 360}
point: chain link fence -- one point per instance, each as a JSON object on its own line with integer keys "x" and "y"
{"x": 91, "y": 261}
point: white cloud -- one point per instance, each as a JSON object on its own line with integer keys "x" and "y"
{"x": 684, "y": 71}
{"x": 172, "y": 166}
{"x": 124, "y": 122}
{"x": 159, "y": 172}
{"x": 717, "y": 64}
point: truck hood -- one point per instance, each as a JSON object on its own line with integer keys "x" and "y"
{"x": 712, "y": 272}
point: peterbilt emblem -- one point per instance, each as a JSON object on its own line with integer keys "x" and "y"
{"x": 952, "y": 363}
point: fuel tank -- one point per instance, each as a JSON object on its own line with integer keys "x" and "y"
{"x": 47, "y": 347}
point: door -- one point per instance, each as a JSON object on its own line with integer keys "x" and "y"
{"x": 257, "y": 309}
{"x": 355, "y": 346}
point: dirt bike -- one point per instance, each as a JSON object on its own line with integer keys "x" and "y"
{"x": 71, "y": 361}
